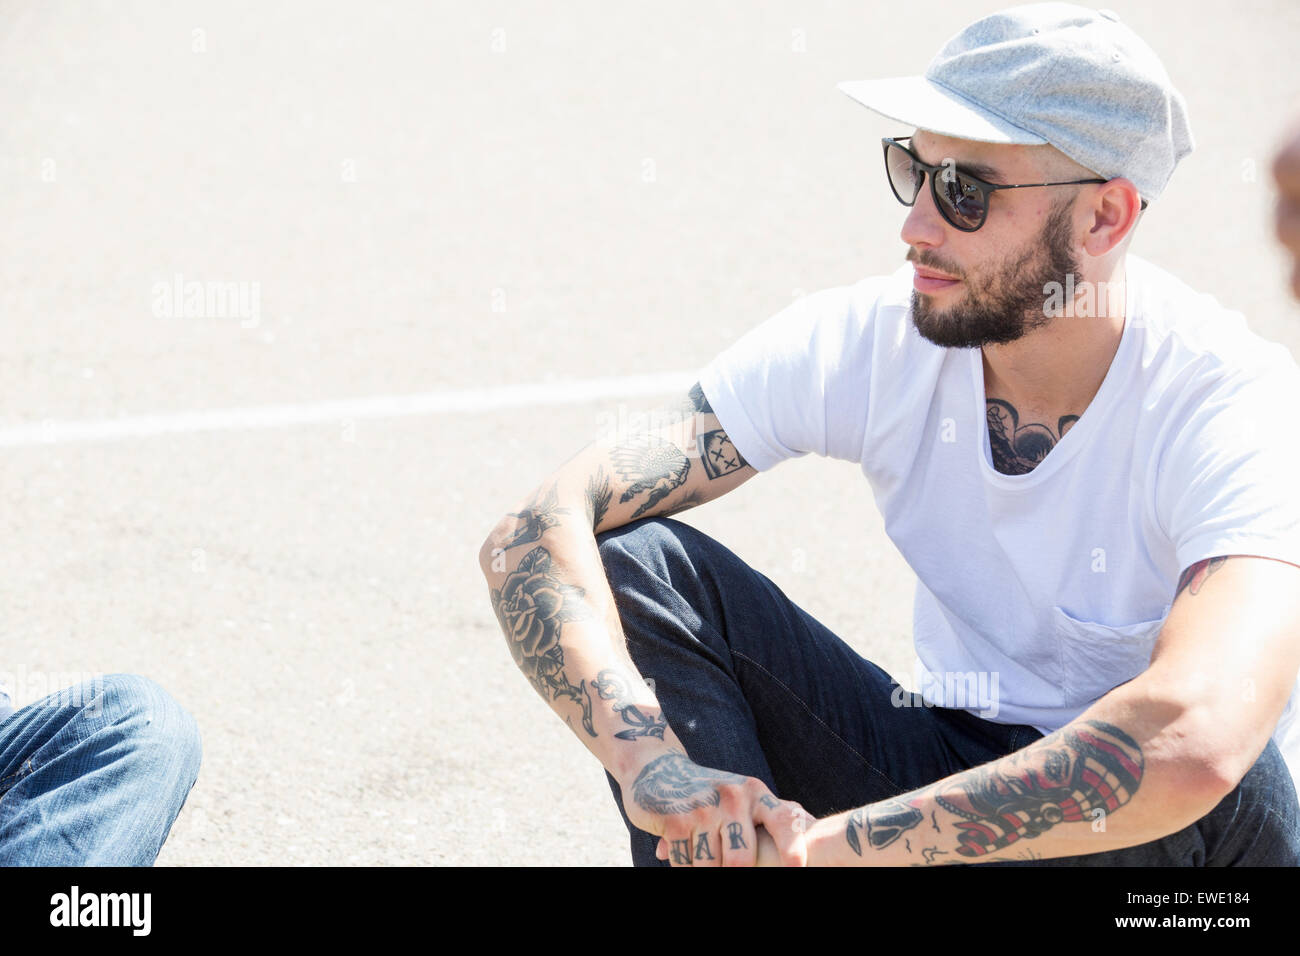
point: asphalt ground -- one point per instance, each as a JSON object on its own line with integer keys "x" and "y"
{"x": 428, "y": 206}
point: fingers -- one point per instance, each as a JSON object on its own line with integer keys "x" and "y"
{"x": 768, "y": 854}
{"x": 771, "y": 833}
{"x": 786, "y": 822}
{"x": 741, "y": 843}
{"x": 732, "y": 843}
{"x": 719, "y": 825}
{"x": 736, "y": 840}
{"x": 706, "y": 850}
{"x": 679, "y": 850}
{"x": 681, "y": 846}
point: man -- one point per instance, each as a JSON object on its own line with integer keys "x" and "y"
{"x": 95, "y": 774}
{"x": 1084, "y": 462}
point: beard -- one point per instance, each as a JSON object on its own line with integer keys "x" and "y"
{"x": 1007, "y": 304}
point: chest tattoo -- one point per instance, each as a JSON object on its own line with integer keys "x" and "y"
{"x": 1017, "y": 449}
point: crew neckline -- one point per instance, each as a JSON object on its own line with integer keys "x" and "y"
{"x": 1079, "y": 432}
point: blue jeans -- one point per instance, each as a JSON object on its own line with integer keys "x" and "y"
{"x": 753, "y": 684}
{"x": 95, "y": 774}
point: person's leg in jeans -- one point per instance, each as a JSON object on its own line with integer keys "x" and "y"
{"x": 753, "y": 684}
{"x": 95, "y": 774}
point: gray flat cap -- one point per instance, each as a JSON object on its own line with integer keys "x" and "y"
{"x": 1053, "y": 73}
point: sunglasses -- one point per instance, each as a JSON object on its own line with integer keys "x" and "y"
{"x": 961, "y": 197}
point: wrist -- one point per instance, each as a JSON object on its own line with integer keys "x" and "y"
{"x": 827, "y": 846}
{"x": 629, "y": 761}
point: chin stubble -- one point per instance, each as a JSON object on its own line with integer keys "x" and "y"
{"x": 1011, "y": 303}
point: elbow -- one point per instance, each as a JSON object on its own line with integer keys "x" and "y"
{"x": 1224, "y": 742}
{"x": 1205, "y": 779}
{"x": 1190, "y": 759}
{"x": 1209, "y": 756}
{"x": 490, "y": 552}
{"x": 1225, "y": 769}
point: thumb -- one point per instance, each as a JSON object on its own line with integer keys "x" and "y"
{"x": 787, "y": 824}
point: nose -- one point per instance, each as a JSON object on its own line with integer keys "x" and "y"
{"x": 923, "y": 225}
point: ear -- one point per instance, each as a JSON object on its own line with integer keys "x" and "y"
{"x": 1114, "y": 214}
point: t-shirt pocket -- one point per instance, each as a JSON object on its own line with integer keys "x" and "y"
{"x": 1097, "y": 658}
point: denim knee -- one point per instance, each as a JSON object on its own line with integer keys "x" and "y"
{"x": 1263, "y": 812}
{"x": 635, "y": 536}
{"x": 153, "y": 724}
{"x": 647, "y": 542}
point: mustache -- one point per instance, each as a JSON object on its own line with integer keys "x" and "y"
{"x": 934, "y": 262}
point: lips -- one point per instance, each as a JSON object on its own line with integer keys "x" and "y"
{"x": 929, "y": 281}
{"x": 925, "y": 273}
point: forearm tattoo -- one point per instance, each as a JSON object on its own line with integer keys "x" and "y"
{"x": 532, "y": 607}
{"x": 884, "y": 822}
{"x": 685, "y": 502}
{"x": 1194, "y": 577}
{"x": 674, "y": 784}
{"x": 653, "y": 466}
{"x": 598, "y": 496}
{"x": 1017, "y": 449}
{"x": 697, "y": 401}
{"x": 1074, "y": 775}
{"x": 1062, "y": 779}
{"x": 612, "y": 685}
{"x": 718, "y": 455}
{"x": 931, "y": 854}
{"x": 539, "y": 514}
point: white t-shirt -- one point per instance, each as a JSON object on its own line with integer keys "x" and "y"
{"x": 1036, "y": 594}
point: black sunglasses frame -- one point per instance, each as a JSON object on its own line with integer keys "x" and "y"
{"x": 985, "y": 189}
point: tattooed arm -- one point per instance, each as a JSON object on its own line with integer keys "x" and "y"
{"x": 1058, "y": 793}
{"x": 553, "y": 602}
{"x": 1146, "y": 760}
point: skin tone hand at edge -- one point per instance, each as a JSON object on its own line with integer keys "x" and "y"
{"x": 1286, "y": 172}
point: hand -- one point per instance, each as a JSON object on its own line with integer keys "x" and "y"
{"x": 768, "y": 854}
{"x": 709, "y": 817}
{"x": 1286, "y": 170}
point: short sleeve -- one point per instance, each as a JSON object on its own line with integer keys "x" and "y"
{"x": 1227, "y": 484}
{"x": 797, "y": 383}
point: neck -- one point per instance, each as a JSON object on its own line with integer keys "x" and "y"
{"x": 1060, "y": 366}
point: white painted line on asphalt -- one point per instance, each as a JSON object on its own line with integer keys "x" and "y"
{"x": 468, "y": 400}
